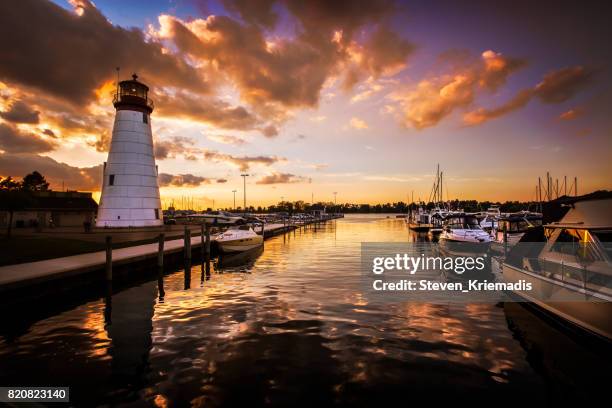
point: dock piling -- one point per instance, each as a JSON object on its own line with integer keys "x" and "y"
{"x": 109, "y": 258}
{"x": 160, "y": 252}
{"x": 207, "y": 246}
{"x": 187, "y": 243}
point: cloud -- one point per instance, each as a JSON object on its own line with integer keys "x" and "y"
{"x": 67, "y": 53}
{"x": 556, "y": 87}
{"x": 571, "y": 114}
{"x": 56, "y": 173}
{"x": 14, "y": 140}
{"x": 482, "y": 115}
{"x": 187, "y": 105}
{"x": 561, "y": 85}
{"x": 497, "y": 68}
{"x": 244, "y": 163}
{"x": 227, "y": 139}
{"x": 281, "y": 178}
{"x": 290, "y": 72}
{"x": 175, "y": 146}
{"x": 357, "y": 123}
{"x": 20, "y": 112}
{"x": 181, "y": 180}
{"x": 434, "y": 99}
{"x": 437, "y": 96}
{"x": 319, "y": 118}
{"x": 367, "y": 90}
{"x": 253, "y": 11}
{"x": 221, "y": 181}
{"x": 384, "y": 53}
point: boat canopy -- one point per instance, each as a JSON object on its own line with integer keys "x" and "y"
{"x": 589, "y": 214}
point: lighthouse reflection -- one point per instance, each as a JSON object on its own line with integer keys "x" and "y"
{"x": 129, "y": 330}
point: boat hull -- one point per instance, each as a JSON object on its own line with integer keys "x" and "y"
{"x": 239, "y": 245}
{"x": 419, "y": 227}
{"x": 592, "y": 315}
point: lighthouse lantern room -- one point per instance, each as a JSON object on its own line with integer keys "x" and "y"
{"x": 130, "y": 191}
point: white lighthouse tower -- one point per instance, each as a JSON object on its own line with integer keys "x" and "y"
{"x": 130, "y": 193}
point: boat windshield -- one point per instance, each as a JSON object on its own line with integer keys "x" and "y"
{"x": 464, "y": 223}
{"x": 605, "y": 237}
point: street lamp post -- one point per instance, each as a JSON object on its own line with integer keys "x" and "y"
{"x": 234, "y": 191}
{"x": 244, "y": 176}
{"x": 335, "y": 202}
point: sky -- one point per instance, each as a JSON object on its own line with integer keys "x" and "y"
{"x": 361, "y": 98}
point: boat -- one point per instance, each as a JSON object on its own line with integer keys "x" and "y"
{"x": 511, "y": 228}
{"x": 463, "y": 227}
{"x": 419, "y": 220}
{"x": 570, "y": 271}
{"x": 238, "y": 239}
{"x": 489, "y": 219}
{"x": 220, "y": 218}
{"x": 437, "y": 216}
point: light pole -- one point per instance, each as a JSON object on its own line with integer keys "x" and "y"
{"x": 234, "y": 191}
{"x": 244, "y": 176}
{"x": 335, "y": 202}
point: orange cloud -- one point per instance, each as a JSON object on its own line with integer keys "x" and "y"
{"x": 556, "y": 87}
{"x": 561, "y": 85}
{"x": 181, "y": 180}
{"x": 571, "y": 114}
{"x": 281, "y": 178}
{"x": 434, "y": 99}
{"x": 358, "y": 124}
{"x": 14, "y": 140}
{"x": 482, "y": 115}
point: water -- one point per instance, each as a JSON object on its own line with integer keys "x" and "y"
{"x": 290, "y": 325}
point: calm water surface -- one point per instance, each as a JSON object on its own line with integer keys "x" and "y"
{"x": 290, "y": 325}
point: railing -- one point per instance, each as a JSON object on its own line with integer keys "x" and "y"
{"x": 132, "y": 99}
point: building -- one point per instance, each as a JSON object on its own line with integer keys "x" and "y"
{"x": 130, "y": 191}
{"x": 318, "y": 210}
{"x": 52, "y": 209}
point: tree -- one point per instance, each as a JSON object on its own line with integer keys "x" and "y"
{"x": 35, "y": 182}
{"x": 8, "y": 184}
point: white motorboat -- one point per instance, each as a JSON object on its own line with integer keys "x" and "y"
{"x": 462, "y": 227}
{"x": 238, "y": 239}
{"x": 571, "y": 270}
{"x": 217, "y": 218}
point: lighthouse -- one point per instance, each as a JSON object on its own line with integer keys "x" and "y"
{"x": 130, "y": 192}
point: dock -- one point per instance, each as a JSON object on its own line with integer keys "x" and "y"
{"x": 22, "y": 275}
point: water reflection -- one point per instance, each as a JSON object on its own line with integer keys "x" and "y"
{"x": 292, "y": 328}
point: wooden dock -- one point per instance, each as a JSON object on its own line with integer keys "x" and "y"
{"x": 32, "y": 273}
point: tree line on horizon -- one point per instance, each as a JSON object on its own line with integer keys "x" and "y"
{"x": 397, "y": 207}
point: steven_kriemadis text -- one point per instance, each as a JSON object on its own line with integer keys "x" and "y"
{"x": 469, "y": 286}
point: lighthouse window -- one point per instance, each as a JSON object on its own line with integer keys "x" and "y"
{"x": 145, "y": 118}
{"x": 157, "y": 213}
{"x": 111, "y": 180}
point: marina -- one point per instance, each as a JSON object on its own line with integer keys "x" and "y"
{"x": 289, "y": 203}
{"x": 297, "y": 307}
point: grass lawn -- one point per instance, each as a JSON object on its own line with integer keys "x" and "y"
{"x": 19, "y": 249}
